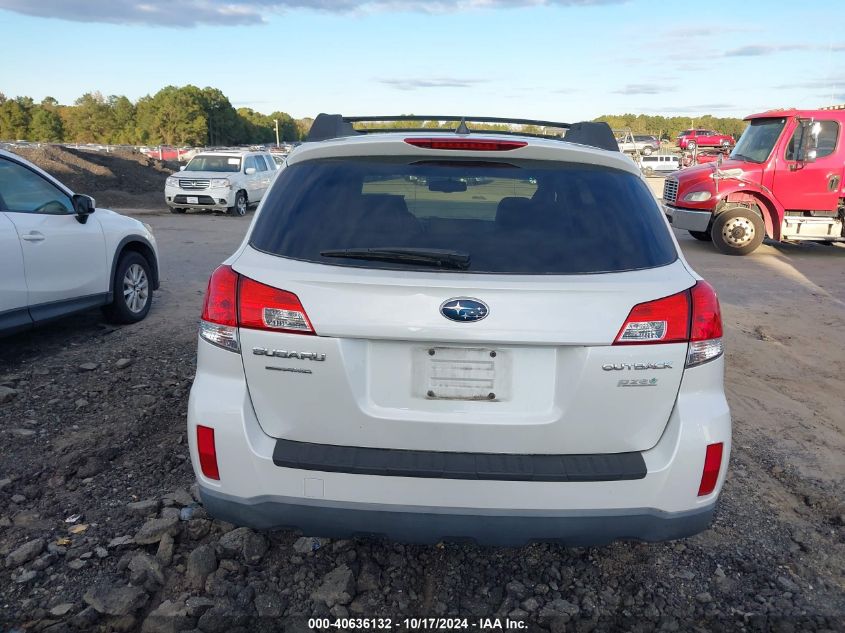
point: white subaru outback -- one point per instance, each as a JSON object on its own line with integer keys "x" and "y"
{"x": 460, "y": 334}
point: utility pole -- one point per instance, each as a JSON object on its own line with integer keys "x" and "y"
{"x": 277, "y": 132}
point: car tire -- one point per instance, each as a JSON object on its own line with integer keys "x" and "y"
{"x": 132, "y": 289}
{"x": 647, "y": 150}
{"x": 691, "y": 145}
{"x": 649, "y": 171}
{"x": 240, "y": 206}
{"x": 177, "y": 210}
{"x": 702, "y": 236}
{"x": 737, "y": 231}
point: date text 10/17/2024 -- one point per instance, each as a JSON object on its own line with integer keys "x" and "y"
{"x": 418, "y": 624}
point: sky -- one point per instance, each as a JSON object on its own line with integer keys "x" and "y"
{"x": 563, "y": 60}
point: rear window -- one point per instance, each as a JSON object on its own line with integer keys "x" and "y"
{"x": 515, "y": 217}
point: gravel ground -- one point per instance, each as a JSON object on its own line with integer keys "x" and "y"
{"x": 100, "y": 528}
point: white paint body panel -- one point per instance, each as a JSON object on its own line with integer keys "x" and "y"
{"x": 68, "y": 261}
{"x": 13, "y": 292}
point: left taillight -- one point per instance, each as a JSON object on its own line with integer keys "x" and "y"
{"x": 219, "y": 324}
{"x": 234, "y": 301}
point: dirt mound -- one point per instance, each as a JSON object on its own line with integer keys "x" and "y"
{"x": 115, "y": 179}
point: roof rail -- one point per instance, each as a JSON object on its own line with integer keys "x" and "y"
{"x": 592, "y": 133}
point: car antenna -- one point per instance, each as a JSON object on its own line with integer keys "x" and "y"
{"x": 462, "y": 128}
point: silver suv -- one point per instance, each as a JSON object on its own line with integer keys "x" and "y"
{"x": 221, "y": 181}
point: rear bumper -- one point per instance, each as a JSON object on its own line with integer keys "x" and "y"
{"x": 255, "y": 490}
{"x": 687, "y": 218}
{"x": 416, "y": 525}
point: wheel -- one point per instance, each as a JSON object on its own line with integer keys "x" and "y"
{"x": 647, "y": 150}
{"x": 132, "y": 289}
{"x": 240, "y": 204}
{"x": 649, "y": 172}
{"x": 177, "y": 210}
{"x": 737, "y": 231}
{"x": 702, "y": 236}
{"x": 691, "y": 145}
{"x": 726, "y": 144}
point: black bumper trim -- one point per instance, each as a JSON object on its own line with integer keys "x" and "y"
{"x": 574, "y": 528}
{"x": 388, "y": 462}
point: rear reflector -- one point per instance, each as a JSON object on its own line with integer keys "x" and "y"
{"x": 477, "y": 145}
{"x": 712, "y": 466}
{"x": 207, "y": 452}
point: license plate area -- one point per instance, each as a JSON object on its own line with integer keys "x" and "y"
{"x": 193, "y": 200}
{"x": 462, "y": 373}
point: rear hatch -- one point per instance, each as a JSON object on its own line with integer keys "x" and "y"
{"x": 460, "y": 305}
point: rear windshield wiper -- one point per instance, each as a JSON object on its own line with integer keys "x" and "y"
{"x": 440, "y": 258}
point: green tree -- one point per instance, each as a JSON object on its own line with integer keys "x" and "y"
{"x": 173, "y": 116}
{"x": 46, "y": 125}
{"x": 15, "y": 118}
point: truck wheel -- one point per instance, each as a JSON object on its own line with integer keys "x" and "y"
{"x": 132, "y": 290}
{"x": 647, "y": 150}
{"x": 649, "y": 172}
{"x": 691, "y": 145}
{"x": 239, "y": 207}
{"x": 702, "y": 236}
{"x": 177, "y": 210}
{"x": 737, "y": 231}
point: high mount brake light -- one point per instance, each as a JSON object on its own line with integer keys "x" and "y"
{"x": 691, "y": 316}
{"x": 234, "y": 301}
{"x": 478, "y": 145}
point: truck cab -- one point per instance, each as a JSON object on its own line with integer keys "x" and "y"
{"x": 783, "y": 180}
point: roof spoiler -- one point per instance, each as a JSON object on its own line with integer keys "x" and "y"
{"x": 591, "y": 133}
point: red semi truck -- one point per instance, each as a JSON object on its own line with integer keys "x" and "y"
{"x": 783, "y": 180}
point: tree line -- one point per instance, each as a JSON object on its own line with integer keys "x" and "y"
{"x": 177, "y": 116}
{"x": 189, "y": 115}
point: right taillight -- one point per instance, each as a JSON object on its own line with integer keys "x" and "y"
{"x": 705, "y": 325}
{"x": 234, "y": 301}
{"x": 691, "y": 316}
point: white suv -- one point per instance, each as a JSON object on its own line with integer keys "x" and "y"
{"x": 57, "y": 258}
{"x": 220, "y": 181}
{"x": 434, "y": 335}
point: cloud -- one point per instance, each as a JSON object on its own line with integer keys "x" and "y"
{"x": 758, "y": 50}
{"x": 191, "y": 13}
{"x": 809, "y": 84}
{"x": 700, "y": 31}
{"x": 644, "y": 89}
{"x": 439, "y": 82}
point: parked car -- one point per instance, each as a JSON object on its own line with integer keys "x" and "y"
{"x": 220, "y": 181}
{"x": 58, "y": 256}
{"x": 655, "y": 163}
{"x": 690, "y": 139}
{"x": 530, "y": 358}
{"x": 645, "y": 144}
{"x": 783, "y": 180}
